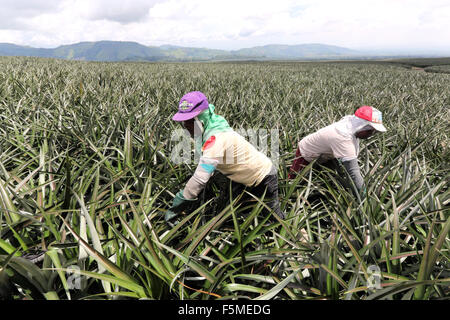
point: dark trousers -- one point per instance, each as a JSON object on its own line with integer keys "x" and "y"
{"x": 269, "y": 185}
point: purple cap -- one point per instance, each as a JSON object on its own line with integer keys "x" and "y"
{"x": 191, "y": 105}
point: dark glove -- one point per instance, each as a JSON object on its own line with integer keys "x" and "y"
{"x": 177, "y": 205}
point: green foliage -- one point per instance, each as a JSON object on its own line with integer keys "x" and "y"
{"x": 86, "y": 175}
{"x": 439, "y": 69}
{"x": 423, "y": 62}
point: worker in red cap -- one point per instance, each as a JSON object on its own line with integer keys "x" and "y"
{"x": 340, "y": 141}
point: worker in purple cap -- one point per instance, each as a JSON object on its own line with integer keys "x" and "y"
{"x": 340, "y": 141}
{"x": 224, "y": 150}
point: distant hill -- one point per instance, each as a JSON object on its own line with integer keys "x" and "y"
{"x": 7, "y": 49}
{"x": 106, "y": 51}
{"x": 314, "y": 50}
{"x": 133, "y": 51}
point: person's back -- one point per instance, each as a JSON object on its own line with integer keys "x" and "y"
{"x": 238, "y": 159}
{"x": 327, "y": 143}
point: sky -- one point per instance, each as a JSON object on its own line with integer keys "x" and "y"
{"x": 405, "y": 25}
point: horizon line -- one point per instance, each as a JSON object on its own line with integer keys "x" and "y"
{"x": 378, "y": 51}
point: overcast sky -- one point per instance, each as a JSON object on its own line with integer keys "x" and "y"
{"x": 230, "y": 24}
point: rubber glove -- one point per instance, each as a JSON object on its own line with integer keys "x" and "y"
{"x": 176, "y": 203}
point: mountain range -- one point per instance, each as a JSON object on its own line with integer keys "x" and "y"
{"x": 133, "y": 51}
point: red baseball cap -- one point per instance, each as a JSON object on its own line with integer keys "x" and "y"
{"x": 372, "y": 115}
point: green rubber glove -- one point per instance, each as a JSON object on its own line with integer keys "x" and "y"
{"x": 176, "y": 203}
{"x": 178, "y": 200}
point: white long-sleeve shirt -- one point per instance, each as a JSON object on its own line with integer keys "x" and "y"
{"x": 327, "y": 143}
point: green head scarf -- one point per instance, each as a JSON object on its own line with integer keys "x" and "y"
{"x": 212, "y": 124}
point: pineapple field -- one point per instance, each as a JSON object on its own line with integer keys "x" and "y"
{"x": 86, "y": 176}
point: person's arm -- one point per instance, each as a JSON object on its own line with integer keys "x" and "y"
{"x": 202, "y": 174}
{"x": 346, "y": 151}
{"x": 353, "y": 170}
{"x": 194, "y": 186}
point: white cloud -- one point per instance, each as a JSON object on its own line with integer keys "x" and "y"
{"x": 14, "y": 13}
{"x": 229, "y": 24}
{"x": 118, "y": 11}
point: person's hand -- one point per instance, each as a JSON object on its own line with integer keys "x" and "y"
{"x": 178, "y": 200}
{"x": 176, "y": 203}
